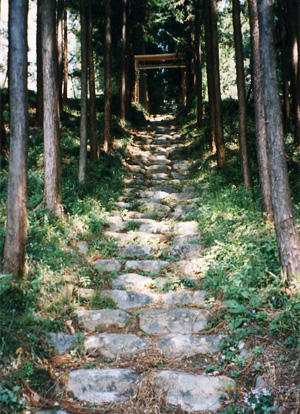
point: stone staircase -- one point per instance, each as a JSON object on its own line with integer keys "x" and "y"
{"x": 159, "y": 312}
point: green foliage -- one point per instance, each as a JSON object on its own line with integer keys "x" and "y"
{"x": 10, "y": 399}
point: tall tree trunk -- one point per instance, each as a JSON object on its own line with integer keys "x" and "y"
{"x": 52, "y": 162}
{"x": 209, "y": 74}
{"x": 15, "y": 239}
{"x": 284, "y": 66}
{"x": 239, "y": 58}
{"x": 130, "y": 69}
{"x": 92, "y": 102}
{"x": 286, "y": 231}
{"x": 65, "y": 93}
{"x": 60, "y": 50}
{"x": 124, "y": 59}
{"x": 261, "y": 139}
{"x": 198, "y": 63}
{"x": 107, "y": 80}
{"x": 189, "y": 65}
{"x": 83, "y": 100}
{"x": 39, "y": 67}
{"x": 221, "y": 156}
{"x": 292, "y": 17}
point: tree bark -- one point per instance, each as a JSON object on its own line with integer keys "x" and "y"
{"x": 209, "y": 74}
{"x": 130, "y": 69}
{"x": 60, "y": 50}
{"x": 221, "y": 156}
{"x": 286, "y": 231}
{"x": 284, "y": 66}
{"x": 107, "y": 144}
{"x": 92, "y": 102}
{"x": 198, "y": 63}
{"x": 292, "y": 15}
{"x": 124, "y": 59}
{"x": 52, "y": 162}
{"x": 83, "y": 100}
{"x": 239, "y": 58}
{"x": 15, "y": 239}
{"x": 65, "y": 93}
{"x": 39, "y": 67}
{"x": 261, "y": 139}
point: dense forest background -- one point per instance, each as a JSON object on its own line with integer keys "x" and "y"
{"x": 234, "y": 93}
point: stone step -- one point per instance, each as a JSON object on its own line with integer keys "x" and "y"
{"x": 180, "y": 346}
{"x": 102, "y": 320}
{"x": 129, "y": 300}
{"x": 132, "y": 281}
{"x": 114, "y": 345}
{"x": 160, "y": 176}
{"x": 186, "y": 251}
{"x": 107, "y": 265}
{"x": 194, "y": 392}
{"x": 150, "y": 266}
{"x": 184, "y": 321}
{"x": 126, "y": 238}
{"x": 97, "y": 386}
{"x": 186, "y": 227}
{"x": 158, "y": 168}
{"x": 139, "y": 252}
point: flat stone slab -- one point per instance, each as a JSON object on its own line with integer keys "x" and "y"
{"x": 194, "y": 392}
{"x": 158, "y": 168}
{"x": 61, "y": 342}
{"x": 126, "y": 238}
{"x": 186, "y": 227}
{"x": 181, "y": 211}
{"x": 141, "y": 252}
{"x": 154, "y": 207}
{"x": 122, "y": 204}
{"x": 103, "y": 319}
{"x": 187, "y": 239}
{"x": 159, "y": 176}
{"x": 114, "y": 345}
{"x": 178, "y": 345}
{"x": 151, "y": 266}
{"x": 107, "y": 265}
{"x": 187, "y": 251}
{"x": 159, "y": 195}
{"x": 158, "y": 159}
{"x": 177, "y": 176}
{"x": 181, "y": 166}
{"x": 128, "y": 300}
{"x": 98, "y": 386}
{"x": 182, "y": 298}
{"x": 123, "y": 238}
{"x": 173, "y": 321}
{"x": 117, "y": 227}
{"x": 83, "y": 247}
{"x": 188, "y": 267}
{"x": 155, "y": 227}
{"x": 132, "y": 281}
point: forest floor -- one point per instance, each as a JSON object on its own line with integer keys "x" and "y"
{"x": 168, "y": 279}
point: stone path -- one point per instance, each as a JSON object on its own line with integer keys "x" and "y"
{"x": 159, "y": 253}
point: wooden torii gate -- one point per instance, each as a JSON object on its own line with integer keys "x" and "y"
{"x": 163, "y": 58}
